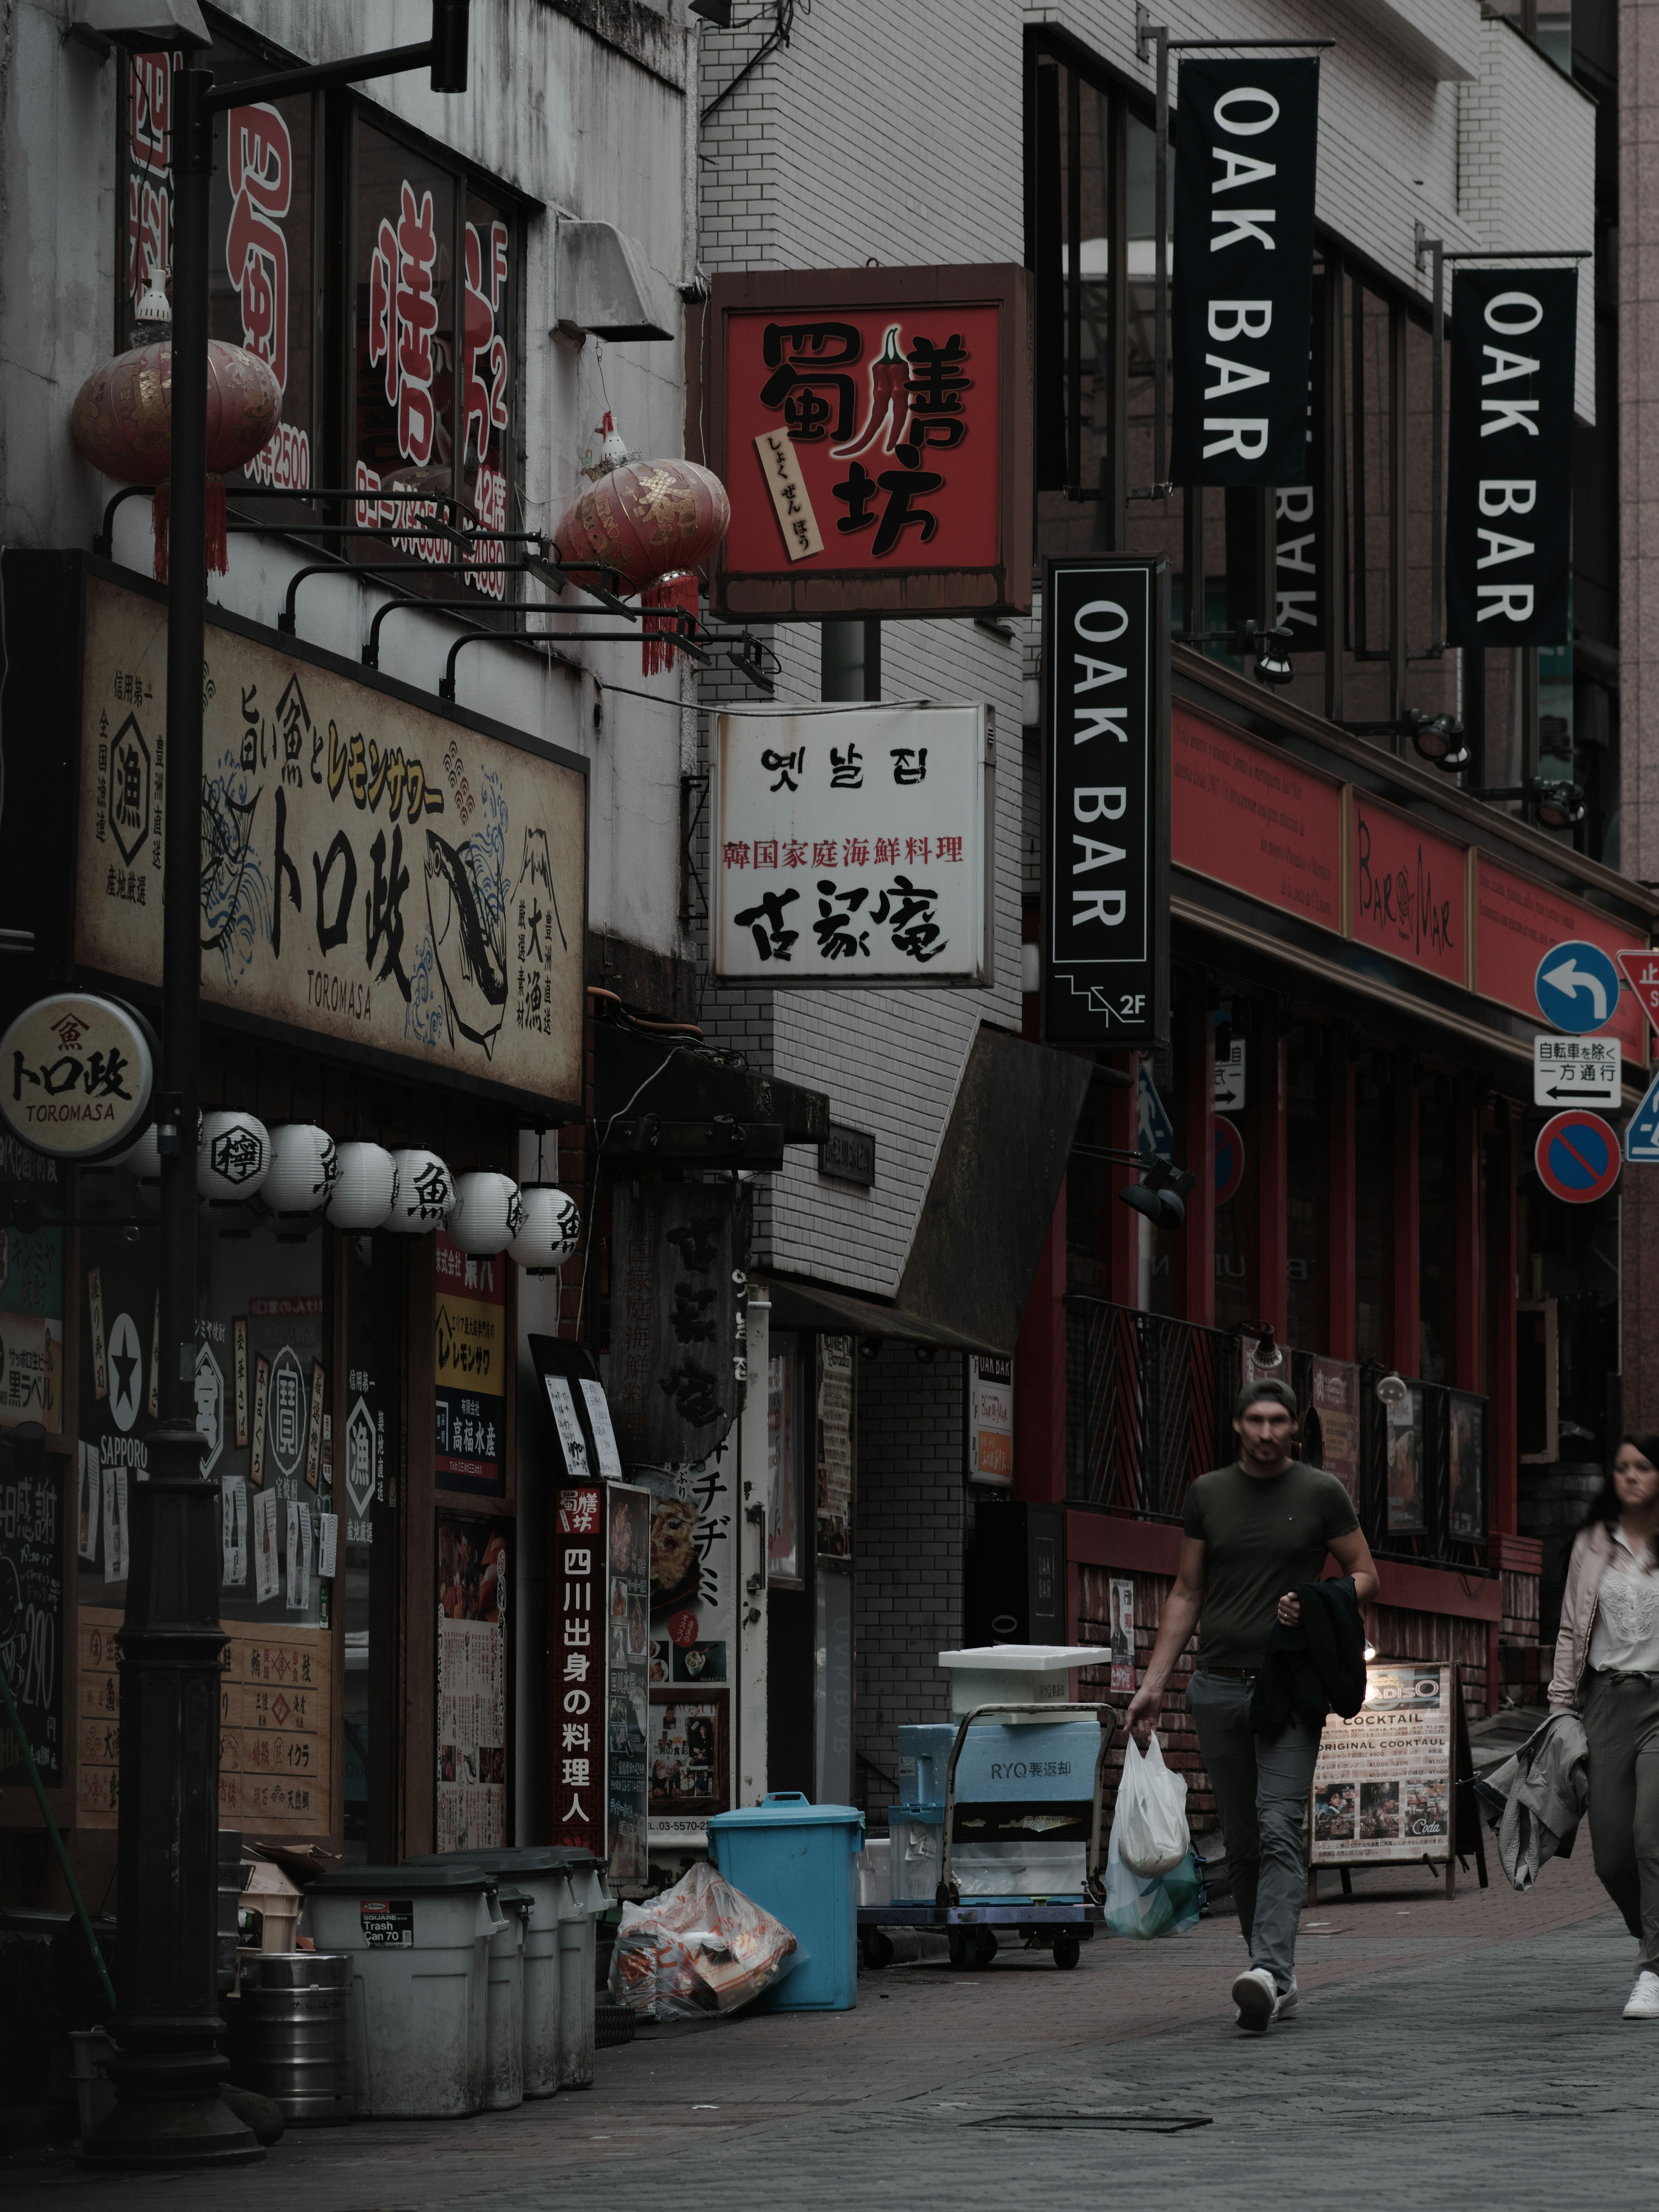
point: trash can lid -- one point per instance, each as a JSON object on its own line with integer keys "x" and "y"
{"x": 786, "y": 1808}
{"x": 411, "y": 1876}
{"x": 511, "y": 1858}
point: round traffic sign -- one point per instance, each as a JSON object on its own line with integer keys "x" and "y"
{"x": 1229, "y": 1159}
{"x": 1576, "y": 986}
{"x": 1577, "y": 1156}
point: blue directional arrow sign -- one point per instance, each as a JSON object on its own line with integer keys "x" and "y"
{"x": 1642, "y": 1130}
{"x": 1576, "y": 986}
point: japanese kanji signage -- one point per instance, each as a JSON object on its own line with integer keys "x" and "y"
{"x": 75, "y": 1076}
{"x": 853, "y": 845}
{"x": 576, "y": 1690}
{"x": 873, "y": 429}
{"x": 31, "y": 1612}
{"x": 1242, "y": 279}
{"x": 677, "y": 1289}
{"x": 470, "y": 1370}
{"x": 1509, "y": 487}
{"x": 374, "y": 873}
{"x": 1106, "y": 922}
{"x": 1577, "y": 1072}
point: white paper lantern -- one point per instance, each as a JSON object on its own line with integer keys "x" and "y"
{"x": 145, "y": 1159}
{"x": 552, "y": 1226}
{"x": 304, "y": 1167}
{"x": 489, "y": 1212}
{"x": 234, "y": 1157}
{"x": 365, "y": 1189}
{"x": 426, "y": 1194}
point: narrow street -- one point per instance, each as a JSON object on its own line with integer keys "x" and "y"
{"x": 1446, "y": 2052}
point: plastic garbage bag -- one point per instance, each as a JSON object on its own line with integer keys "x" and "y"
{"x": 702, "y": 1946}
{"x": 1148, "y": 1906}
{"x": 1149, "y": 1826}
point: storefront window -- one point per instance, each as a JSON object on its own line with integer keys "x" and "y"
{"x": 1308, "y": 1167}
{"x": 1374, "y": 1204}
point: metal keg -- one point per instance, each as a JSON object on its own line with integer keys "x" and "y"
{"x": 230, "y": 1896}
{"x": 291, "y": 2041}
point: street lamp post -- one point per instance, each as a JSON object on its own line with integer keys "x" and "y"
{"x": 166, "y": 2028}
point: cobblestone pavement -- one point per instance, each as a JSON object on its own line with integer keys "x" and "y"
{"x": 1446, "y": 2053}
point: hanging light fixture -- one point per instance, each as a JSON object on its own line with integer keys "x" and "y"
{"x": 234, "y": 1156}
{"x": 489, "y": 1212}
{"x": 304, "y": 1167}
{"x": 426, "y": 1194}
{"x": 365, "y": 1187}
{"x": 549, "y": 1230}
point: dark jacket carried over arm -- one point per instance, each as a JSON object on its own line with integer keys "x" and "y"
{"x": 1316, "y": 1667}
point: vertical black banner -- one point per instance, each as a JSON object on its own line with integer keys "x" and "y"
{"x": 1508, "y": 491}
{"x": 1302, "y": 547}
{"x": 1106, "y": 922}
{"x": 1245, "y": 163}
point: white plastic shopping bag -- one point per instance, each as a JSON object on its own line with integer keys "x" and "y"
{"x": 1150, "y": 1905}
{"x": 1149, "y": 1826}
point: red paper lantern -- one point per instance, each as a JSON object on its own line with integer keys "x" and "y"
{"x": 123, "y": 424}
{"x": 653, "y": 522}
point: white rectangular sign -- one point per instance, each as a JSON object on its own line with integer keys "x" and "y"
{"x": 1570, "y": 1071}
{"x": 853, "y": 845}
{"x": 1230, "y": 1078}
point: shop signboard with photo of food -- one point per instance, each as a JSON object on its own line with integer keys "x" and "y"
{"x": 1383, "y": 1787}
{"x": 694, "y": 1565}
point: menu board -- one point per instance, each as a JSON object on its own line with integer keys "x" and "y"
{"x": 276, "y": 1728}
{"x": 473, "y": 1585}
{"x": 1383, "y": 1787}
{"x": 1336, "y": 1408}
{"x": 32, "y": 1613}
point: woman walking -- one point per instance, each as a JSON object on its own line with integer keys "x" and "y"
{"x": 1606, "y": 1666}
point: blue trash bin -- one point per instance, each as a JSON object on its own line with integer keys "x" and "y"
{"x": 799, "y": 1861}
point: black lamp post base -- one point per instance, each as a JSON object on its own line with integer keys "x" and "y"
{"x": 172, "y": 2133}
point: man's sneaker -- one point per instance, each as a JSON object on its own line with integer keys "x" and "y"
{"x": 1257, "y": 1998}
{"x": 1643, "y": 1998}
{"x": 1288, "y": 2001}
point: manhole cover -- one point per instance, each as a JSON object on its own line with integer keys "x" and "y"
{"x": 1154, "y": 2124}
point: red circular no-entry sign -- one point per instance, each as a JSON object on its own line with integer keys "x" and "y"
{"x": 1577, "y": 1156}
{"x": 1229, "y": 1159}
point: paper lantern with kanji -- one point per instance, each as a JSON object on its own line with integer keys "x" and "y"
{"x": 653, "y": 522}
{"x": 121, "y": 423}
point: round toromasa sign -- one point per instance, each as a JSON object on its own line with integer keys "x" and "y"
{"x": 76, "y": 1076}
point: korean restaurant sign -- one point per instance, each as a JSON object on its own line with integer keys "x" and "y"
{"x": 873, "y": 429}
{"x": 853, "y": 845}
{"x": 374, "y": 875}
{"x": 1106, "y": 913}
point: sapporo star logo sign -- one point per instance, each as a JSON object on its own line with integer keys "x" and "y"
{"x": 126, "y": 1373}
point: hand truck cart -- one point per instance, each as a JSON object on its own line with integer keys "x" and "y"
{"x": 1012, "y": 1844}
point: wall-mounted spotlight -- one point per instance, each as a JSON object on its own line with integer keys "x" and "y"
{"x": 1552, "y": 805}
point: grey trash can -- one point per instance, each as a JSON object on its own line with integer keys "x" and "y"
{"x": 419, "y": 1938}
{"x": 585, "y": 1898}
{"x": 291, "y": 2041}
{"x": 504, "y": 2027}
{"x": 543, "y": 1871}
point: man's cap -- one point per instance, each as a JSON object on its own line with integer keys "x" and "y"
{"x": 1253, "y": 1393}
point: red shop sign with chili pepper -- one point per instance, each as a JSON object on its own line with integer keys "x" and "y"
{"x": 871, "y": 427}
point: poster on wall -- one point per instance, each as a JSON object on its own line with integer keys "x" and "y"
{"x": 1467, "y": 1474}
{"x": 1406, "y": 1474}
{"x": 834, "y": 1448}
{"x": 1382, "y": 1786}
{"x": 627, "y": 1641}
{"x": 990, "y": 1420}
{"x": 473, "y": 1586}
{"x": 1335, "y": 1407}
{"x": 31, "y": 1612}
{"x": 1120, "y": 1607}
{"x": 694, "y": 1574}
{"x": 576, "y": 1668}
{"x": 470, "y": 1371}
{"x": 690, "y": 1774}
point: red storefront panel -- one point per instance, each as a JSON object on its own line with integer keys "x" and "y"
{"x": 1408, "y": 894}
{"x": 1516, "y": 922}
{"x": 1248, "y": 816}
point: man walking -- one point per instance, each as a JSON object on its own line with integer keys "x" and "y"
{"x": 1252, "y": 1533}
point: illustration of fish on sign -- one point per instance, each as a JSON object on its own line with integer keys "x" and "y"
{"x": 468, "y": 941}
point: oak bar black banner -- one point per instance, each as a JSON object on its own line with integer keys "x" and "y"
{"x": 1106, "y": 920}
{"x": 1242, "y": 279}
{"x": 1509, "y": 492}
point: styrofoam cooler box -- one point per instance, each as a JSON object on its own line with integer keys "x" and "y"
{"x": 875, "y": 1864}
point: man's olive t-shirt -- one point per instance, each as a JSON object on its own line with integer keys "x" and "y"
{"x": 1262, "y": 1535}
